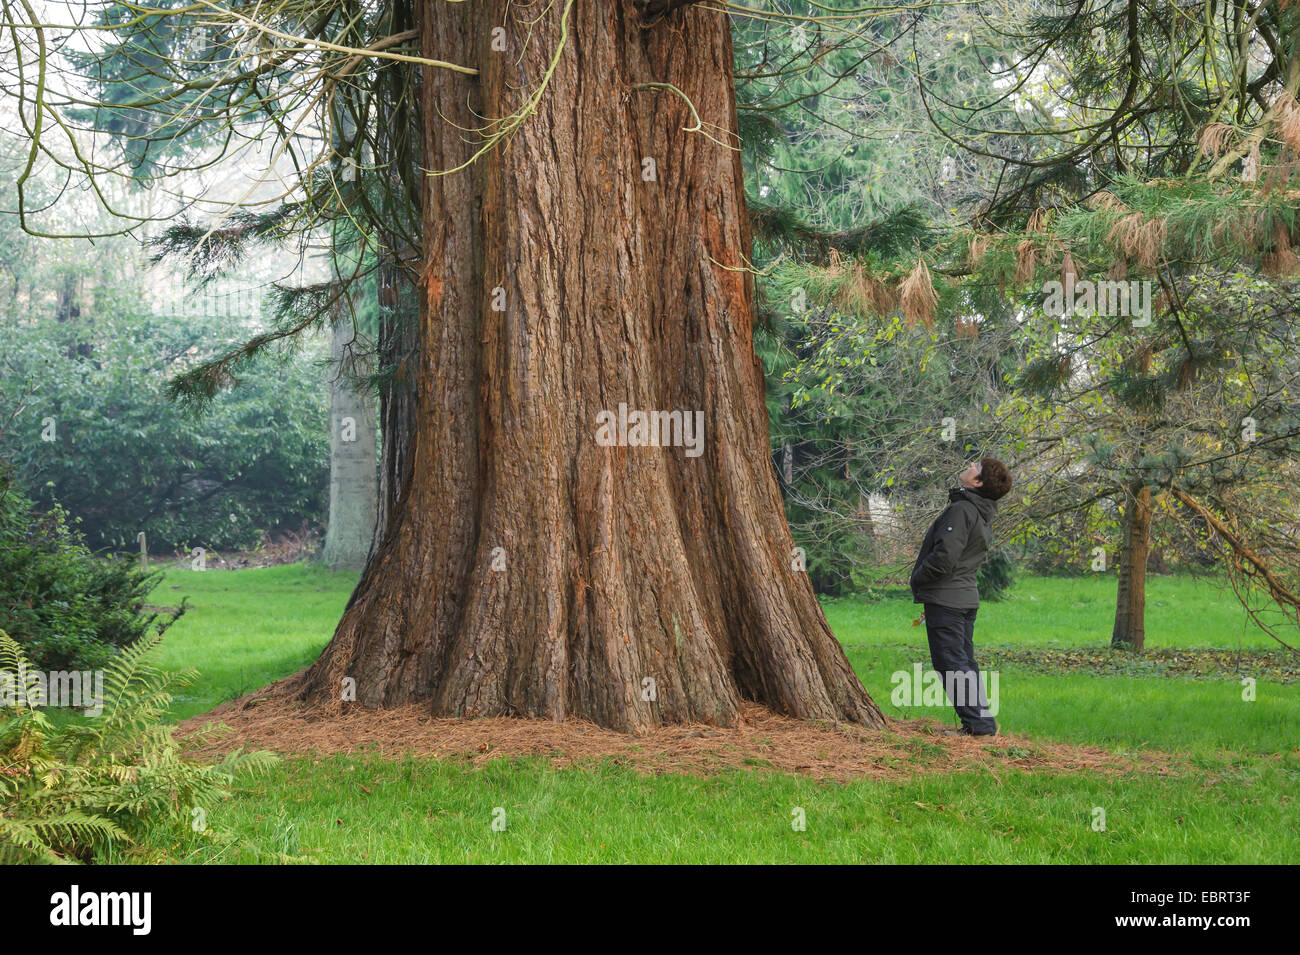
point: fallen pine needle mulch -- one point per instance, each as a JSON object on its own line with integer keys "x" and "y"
{"x": 761, "y": 740}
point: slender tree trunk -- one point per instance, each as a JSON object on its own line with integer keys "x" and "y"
{"x": 399, "y": 352}
{"x": 67, "y": 311}
{"x": 354, "y": 480}
{"x": 598, "y": 258}
{"x": 1130, "y": 605}
{"x": 398, "y": 156}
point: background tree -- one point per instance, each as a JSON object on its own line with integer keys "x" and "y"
{"x": 1105, "y": 154}
{"x": 1163, "y": 154}
{"x": 1138, "y": 426}
{"x": 354, "y": 474}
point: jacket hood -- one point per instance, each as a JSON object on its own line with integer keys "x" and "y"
{"x": 986, "y": 507}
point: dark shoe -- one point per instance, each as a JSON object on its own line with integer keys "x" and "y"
{"x": 953, "y": 731}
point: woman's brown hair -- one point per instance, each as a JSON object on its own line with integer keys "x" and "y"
{"x": 995, "y": 479}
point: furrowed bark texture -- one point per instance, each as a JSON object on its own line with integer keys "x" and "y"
{"x": 528, "y": 570}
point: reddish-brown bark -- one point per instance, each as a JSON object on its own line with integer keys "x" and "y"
{"x": 617, "y": 565}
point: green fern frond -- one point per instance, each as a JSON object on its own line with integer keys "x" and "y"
{"x": 72, "y": 791}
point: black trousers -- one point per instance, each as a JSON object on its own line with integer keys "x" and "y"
{"x": 952, "y": 651}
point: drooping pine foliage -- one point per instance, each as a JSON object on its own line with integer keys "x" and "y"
{"x": 893, "y": 233}
{"x": 72, "y": 788}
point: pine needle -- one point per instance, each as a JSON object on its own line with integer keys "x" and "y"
{"x": 917, "y": 298}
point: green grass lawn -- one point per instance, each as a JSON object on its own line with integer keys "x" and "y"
{"x": 1234, "y": 800}
{"x": 247, "y": 628}
{"x": 1177, "y": 714}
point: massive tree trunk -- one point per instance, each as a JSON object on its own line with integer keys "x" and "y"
{"x": 1135, "y": 543}
{"x": 528, "y": 569}
{"x": 354, "y": 477}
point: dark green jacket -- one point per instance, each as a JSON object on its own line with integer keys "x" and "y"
{"x": 953, "y": 549}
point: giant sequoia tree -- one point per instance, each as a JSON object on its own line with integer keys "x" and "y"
{"x": 585, "y": 247}
{"x": 595, "y": 258}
